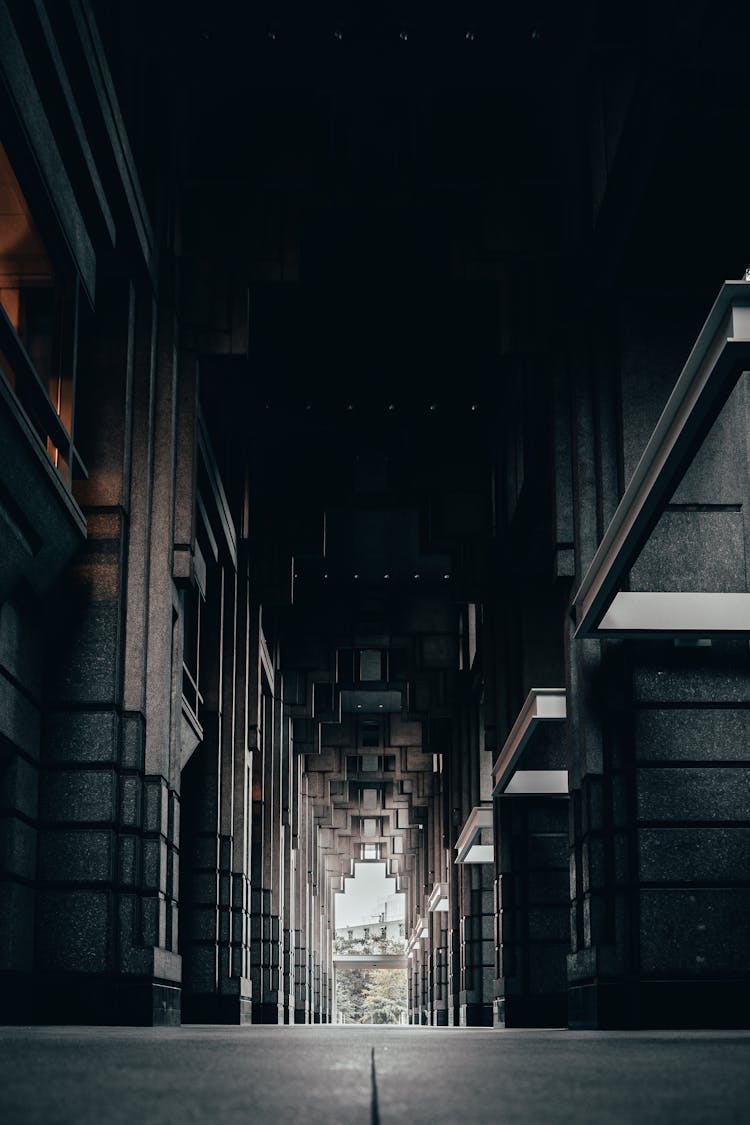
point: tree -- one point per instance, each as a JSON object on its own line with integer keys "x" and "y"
{"x": 384, "y": 996}
{"x": 350, "y": 993}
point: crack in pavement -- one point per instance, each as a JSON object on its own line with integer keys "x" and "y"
{"x": 374, "y": 1112}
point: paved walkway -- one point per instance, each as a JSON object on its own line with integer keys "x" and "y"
{"x": 376, "y": 1076}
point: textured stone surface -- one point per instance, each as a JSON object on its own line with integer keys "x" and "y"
{"x": 76, "y": 795}
{"x": 19, "y": 781}
{"x": 17, "y": 847}
{"x": 19, "y": 718}
{"x": 720, "y": 674}
{"x": 698, "y": 854}
{"x": 16, "y": 926}
{"x": 73, "y": 930}
{"x": 698, "y": 793}
{"x": 693, "y": 933}
{"x": 693, "y": 550}
{"x": 20, "y": 647}
{"x": 692, "y": 734}
{"x": 81, "y": 855}
{"x": 81, "y": 736}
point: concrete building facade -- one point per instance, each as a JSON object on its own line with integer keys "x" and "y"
{"x": 373, "y": 487}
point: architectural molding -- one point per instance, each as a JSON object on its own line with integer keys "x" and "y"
{"x": 720, "y": 354}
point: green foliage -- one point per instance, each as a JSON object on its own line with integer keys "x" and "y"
{"x": 350, "y": 993}
{"x": 371, "y": 995}
{"x": 385, "y": 996}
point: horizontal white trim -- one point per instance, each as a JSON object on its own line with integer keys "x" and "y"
{"x": 478, "y": 853}
{"x": 654, "y": 614}
{"x": 537, "y": 783}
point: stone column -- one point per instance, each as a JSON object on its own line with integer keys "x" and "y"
{"x": 534, "y": 896}
{"x": 660, "y": 809}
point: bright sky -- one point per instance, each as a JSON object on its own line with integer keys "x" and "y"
{"x": 363, "y": 893}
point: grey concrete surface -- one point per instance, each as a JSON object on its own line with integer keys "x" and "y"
{"x": 222, "y": 1075}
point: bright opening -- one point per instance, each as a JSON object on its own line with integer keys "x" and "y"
{"x": 369, "y": 943}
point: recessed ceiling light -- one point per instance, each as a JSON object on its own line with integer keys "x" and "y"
{"x": 386, "y": 576}
{"x": 446, "y": 576}
{"x": 338, "y": 34}
{"x": 416, "y": 575}
{"x": 403, "y": 36}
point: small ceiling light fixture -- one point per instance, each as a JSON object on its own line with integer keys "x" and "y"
{"x": 271, "y": 34}
{"x": 338, "y": 34}
{"x": 380, "y": 705}
{"x": 446, "y": 576}
{"x": 356, "y": 576}
{"x": 416, "y": 576}
{"x": 359, "y": 706}
{"x": 325, "y": 575}
{"x": 391, "y": 407}
{"x": 349, "y": 406}
{"x": 474, "y": 406}
{"x": 470, "y": 36}
{"x": 433, "y": 407}
{"x": 386, "y": 576}
{"x": 536, "y": 34}
{"x": 296, "y": 576}
{"x": 403, "y": 36}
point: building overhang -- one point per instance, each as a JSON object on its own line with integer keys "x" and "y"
{"x": 370, "y": 961}
{"x": 476, "y": 842}
{"x": 438, "y": 900}
{"x": 720, "y": 354}
{"x": 542, "y": 705}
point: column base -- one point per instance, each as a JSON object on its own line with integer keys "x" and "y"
{"x": 267, "y": 1012}
{"x": 659, "y": 1004}
{"x": 84, "y": 998}
{"x": 210, "y": 1008}
{"x": 475, "y": 1015}
{"x": 531, "y": 1011}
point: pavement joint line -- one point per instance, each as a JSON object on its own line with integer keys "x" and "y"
{"x": 374, "y": 1112}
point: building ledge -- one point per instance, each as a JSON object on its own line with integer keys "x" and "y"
{"x": 542, "y": 705}
{"x": 476, "y": 842}
{"x": 438, "y": 901}
{"x": 720, "y": 354}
